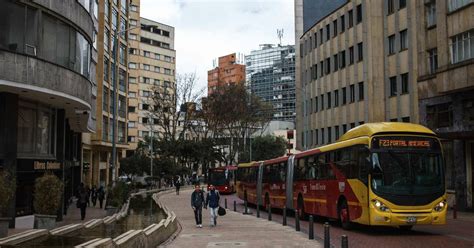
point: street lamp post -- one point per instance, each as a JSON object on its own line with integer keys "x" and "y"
{"x": 114, "y": 101}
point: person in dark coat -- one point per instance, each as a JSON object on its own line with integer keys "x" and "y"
{"x": 94, "y": 195}
{"x": 101, "y": 196}
{"x": 212, "y": 200}
{"x": 83, "y": 198}
{"x": 177, "y": 184}
{"x": 197, "y": 201}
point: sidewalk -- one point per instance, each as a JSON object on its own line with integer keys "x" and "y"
{"x": 73, "y": 216}
{"x": 233, "y": 230}
{"x": 464, "y": 216}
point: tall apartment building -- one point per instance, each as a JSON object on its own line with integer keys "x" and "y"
{"x": 446, "y": 86}
{"x": 229, "y": 71}
{"x": 270, "y": 75}
{"x": 152, "y": 66}
{"x": 357, "y": 66}
{"x": 47, "y": 92}
{"x": 97, "y": 148}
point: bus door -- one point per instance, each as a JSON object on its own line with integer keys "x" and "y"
{"x": 289, "y": 182}
{"x": 259, "y": 183}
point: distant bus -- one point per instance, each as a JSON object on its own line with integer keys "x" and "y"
{"x": 223, "y": 178}
{"x": 385, "y": 174}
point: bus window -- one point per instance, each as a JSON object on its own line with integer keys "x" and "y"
{"x": 364, "y": 163}
{"x": 283, "y": 172}
{"x": 300, "y": 169}
{"x": 346, "y": 163}
{"x": 311, "y": 168}
{"x": 267, "y": 174}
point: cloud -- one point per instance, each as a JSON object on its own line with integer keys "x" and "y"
{"x": 207, "y": 29}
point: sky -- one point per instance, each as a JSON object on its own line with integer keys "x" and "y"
{"x": 207, "y": 29}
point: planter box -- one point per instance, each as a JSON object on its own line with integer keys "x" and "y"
{"x": 4, "y": 223}
{"x": 45, "y": 221}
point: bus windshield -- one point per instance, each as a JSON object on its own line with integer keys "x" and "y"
{"x": 407, "y": 173}
{"x": 217, "y": 178}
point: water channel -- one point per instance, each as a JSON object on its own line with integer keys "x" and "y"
{"x": 143, "y": 211}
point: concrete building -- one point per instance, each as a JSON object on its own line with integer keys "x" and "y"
{"x": 97, "y": 149}
{"x": 230, "y": 70}
{"x": 357, "y": 65}
{"x": 152, "y": 67}
{"x": 446, "y": 87}
{"x": 271, "y": 76}
{"x": 47, "y": 91}
{"x": 284, "y": 129}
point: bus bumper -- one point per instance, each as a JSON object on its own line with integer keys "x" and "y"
{"x": 379, "y": 218}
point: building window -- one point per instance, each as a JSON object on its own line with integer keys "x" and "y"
{"x": 123, "y": 6}
{"x": 106, "y": 40}
{"x": 394, "y": 120}
{"x": 132, "y": 65}
{"x": 336, "y": 130}
{"x": 328, "y": 32}
{"x": 430, "y": 9}
{"x": 351, "y": 18}
{"x": 462, "y": 47}
{"x": 322, "y": 68}
{"x": 390, "y": 7}
{"x": 360, "y": 52}
{"x": 36, "y": 133}
{"x": 342, "y": 57}
{"x": 132, "y": 80}
{"x": 105, "y": 98}
{"x": 402, "y": 4}
{"x": 146, "y": 67}
{"x": 406, "y": 119}
{"x": 457, "y": 4}
{"x": 157, "y": 69}
{"x": 328, "y": 65}
{"x": 316, "y": 104}
{"x": 336, "y": 98}
{"x": 351, "y": 55}
{"x": 131, "y": 109}
{"x": 322, "y": 102}
{"x": 391, "y": 44}
{"x": 329, "y": 134}
{"x": 361, "y": 90}
{"x": 322, "y": 136}
{"x": 123, "y": 27}
{"x": 438, "y": 116}
{"x": 132, "y": 94}
{"x": 403, "y": 39}
{"x": 393, "y": 86}
{"x": 321, "y": 36}
{"x": 122, "y": 54}
{"x": 334, "y": 24}
{"x": 114, "y": 19}
{"x": 344, "y": 128}
{"x": 404, "y": 79}
{"x": 316, "y": 138}
{"x": 359, "y": 13}
{"x": 343, "y": 23}
{"x": 344, "y": 96}
{"x": 134, "y": 8}
{"x": 352, "y": 93}
{"x": 122, "y": 84}
{"x": 167, "y": 71}
{"x": 105, "y": 128}
{"x": 146, "y": 93}
{"x": 433, "y": 60}
{"x": 106, "y": 10}
{"x": 133, "y": 22}
{"x": 329, "y": 100}
{"x": 106, "y": 69}
{"x": 336, "y": 62}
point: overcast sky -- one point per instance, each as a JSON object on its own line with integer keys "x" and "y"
{"x": 207, "y": 29}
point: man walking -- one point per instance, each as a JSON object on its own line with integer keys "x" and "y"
{"x": 82, "y": 200}
{"x": 197, "y": 201}
{"x": 177, "y": 184}
{"x": 212, "y": 200}
{"x": 101, "y": 195}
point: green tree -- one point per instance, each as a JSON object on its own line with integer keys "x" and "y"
{"x": 268, "y": 147}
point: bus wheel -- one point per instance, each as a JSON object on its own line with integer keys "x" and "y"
{"x": 406, "y": 228}
{"x": 344, "y": 215}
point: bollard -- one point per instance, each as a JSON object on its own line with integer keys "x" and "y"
{"x": 258, "y": 211}
{"x": 311, "y": 228}
{"x": 344, "y": 241}
{"x": 225, "y": 203}
{"x": 269, "y": 212}
{"x": 246, "y": 210}
{"x": 235, "y": 206}
{"x": 297, "y": 220}
{"x": 284, "y": 216}
{"x": 327, "y": 237}
{"x": 455, "y": 211}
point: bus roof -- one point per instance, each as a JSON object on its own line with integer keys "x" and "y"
{"x": 223, "y": 168}
{"x": 371, "y": 129}
{"x": 276, "y": 160}
{"x": 250, "y": 164}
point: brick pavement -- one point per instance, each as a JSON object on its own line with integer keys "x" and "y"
{"x": 233, "y": 230}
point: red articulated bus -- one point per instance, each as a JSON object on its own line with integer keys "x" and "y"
{"x": 223, "y": 178}
{"x": 384, "y": 174}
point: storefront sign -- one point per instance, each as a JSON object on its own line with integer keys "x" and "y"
{"x": 48, "y": 165}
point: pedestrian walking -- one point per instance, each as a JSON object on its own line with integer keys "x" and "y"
{"x": 88, "y": 191}
{"x": 177, "y": 184}
{"x": 101, "y": 196}
{"x": 82, "y": 200}
{"x": 94, "y": 195}
{"x": 197, "y": 201}
{"x": 212, "y": 200}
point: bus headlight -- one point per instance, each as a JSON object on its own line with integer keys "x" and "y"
{"x": 440, "y": 206}
{"x": 378, "y": 204}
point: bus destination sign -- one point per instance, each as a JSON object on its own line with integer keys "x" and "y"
{"x": 401, "y": 142}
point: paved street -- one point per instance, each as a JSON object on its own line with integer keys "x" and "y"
{"x": 233, "y": 229}
{"x": 457, "y": 233}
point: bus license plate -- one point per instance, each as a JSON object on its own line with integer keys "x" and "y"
{"x": 411, "y": 219}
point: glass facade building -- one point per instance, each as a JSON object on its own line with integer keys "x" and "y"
{"x": 270, "y": 75}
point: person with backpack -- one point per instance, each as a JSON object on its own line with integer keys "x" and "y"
{"x": 197, "y": 201}
{"x": 212, "y": 200}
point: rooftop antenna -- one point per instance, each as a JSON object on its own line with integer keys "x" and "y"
{"x": 280, "y": 34}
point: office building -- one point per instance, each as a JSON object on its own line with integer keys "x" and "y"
{"x": 230, "y": 70}
{"x": 271, "y": 76}
{"x": 47, "y": 92}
